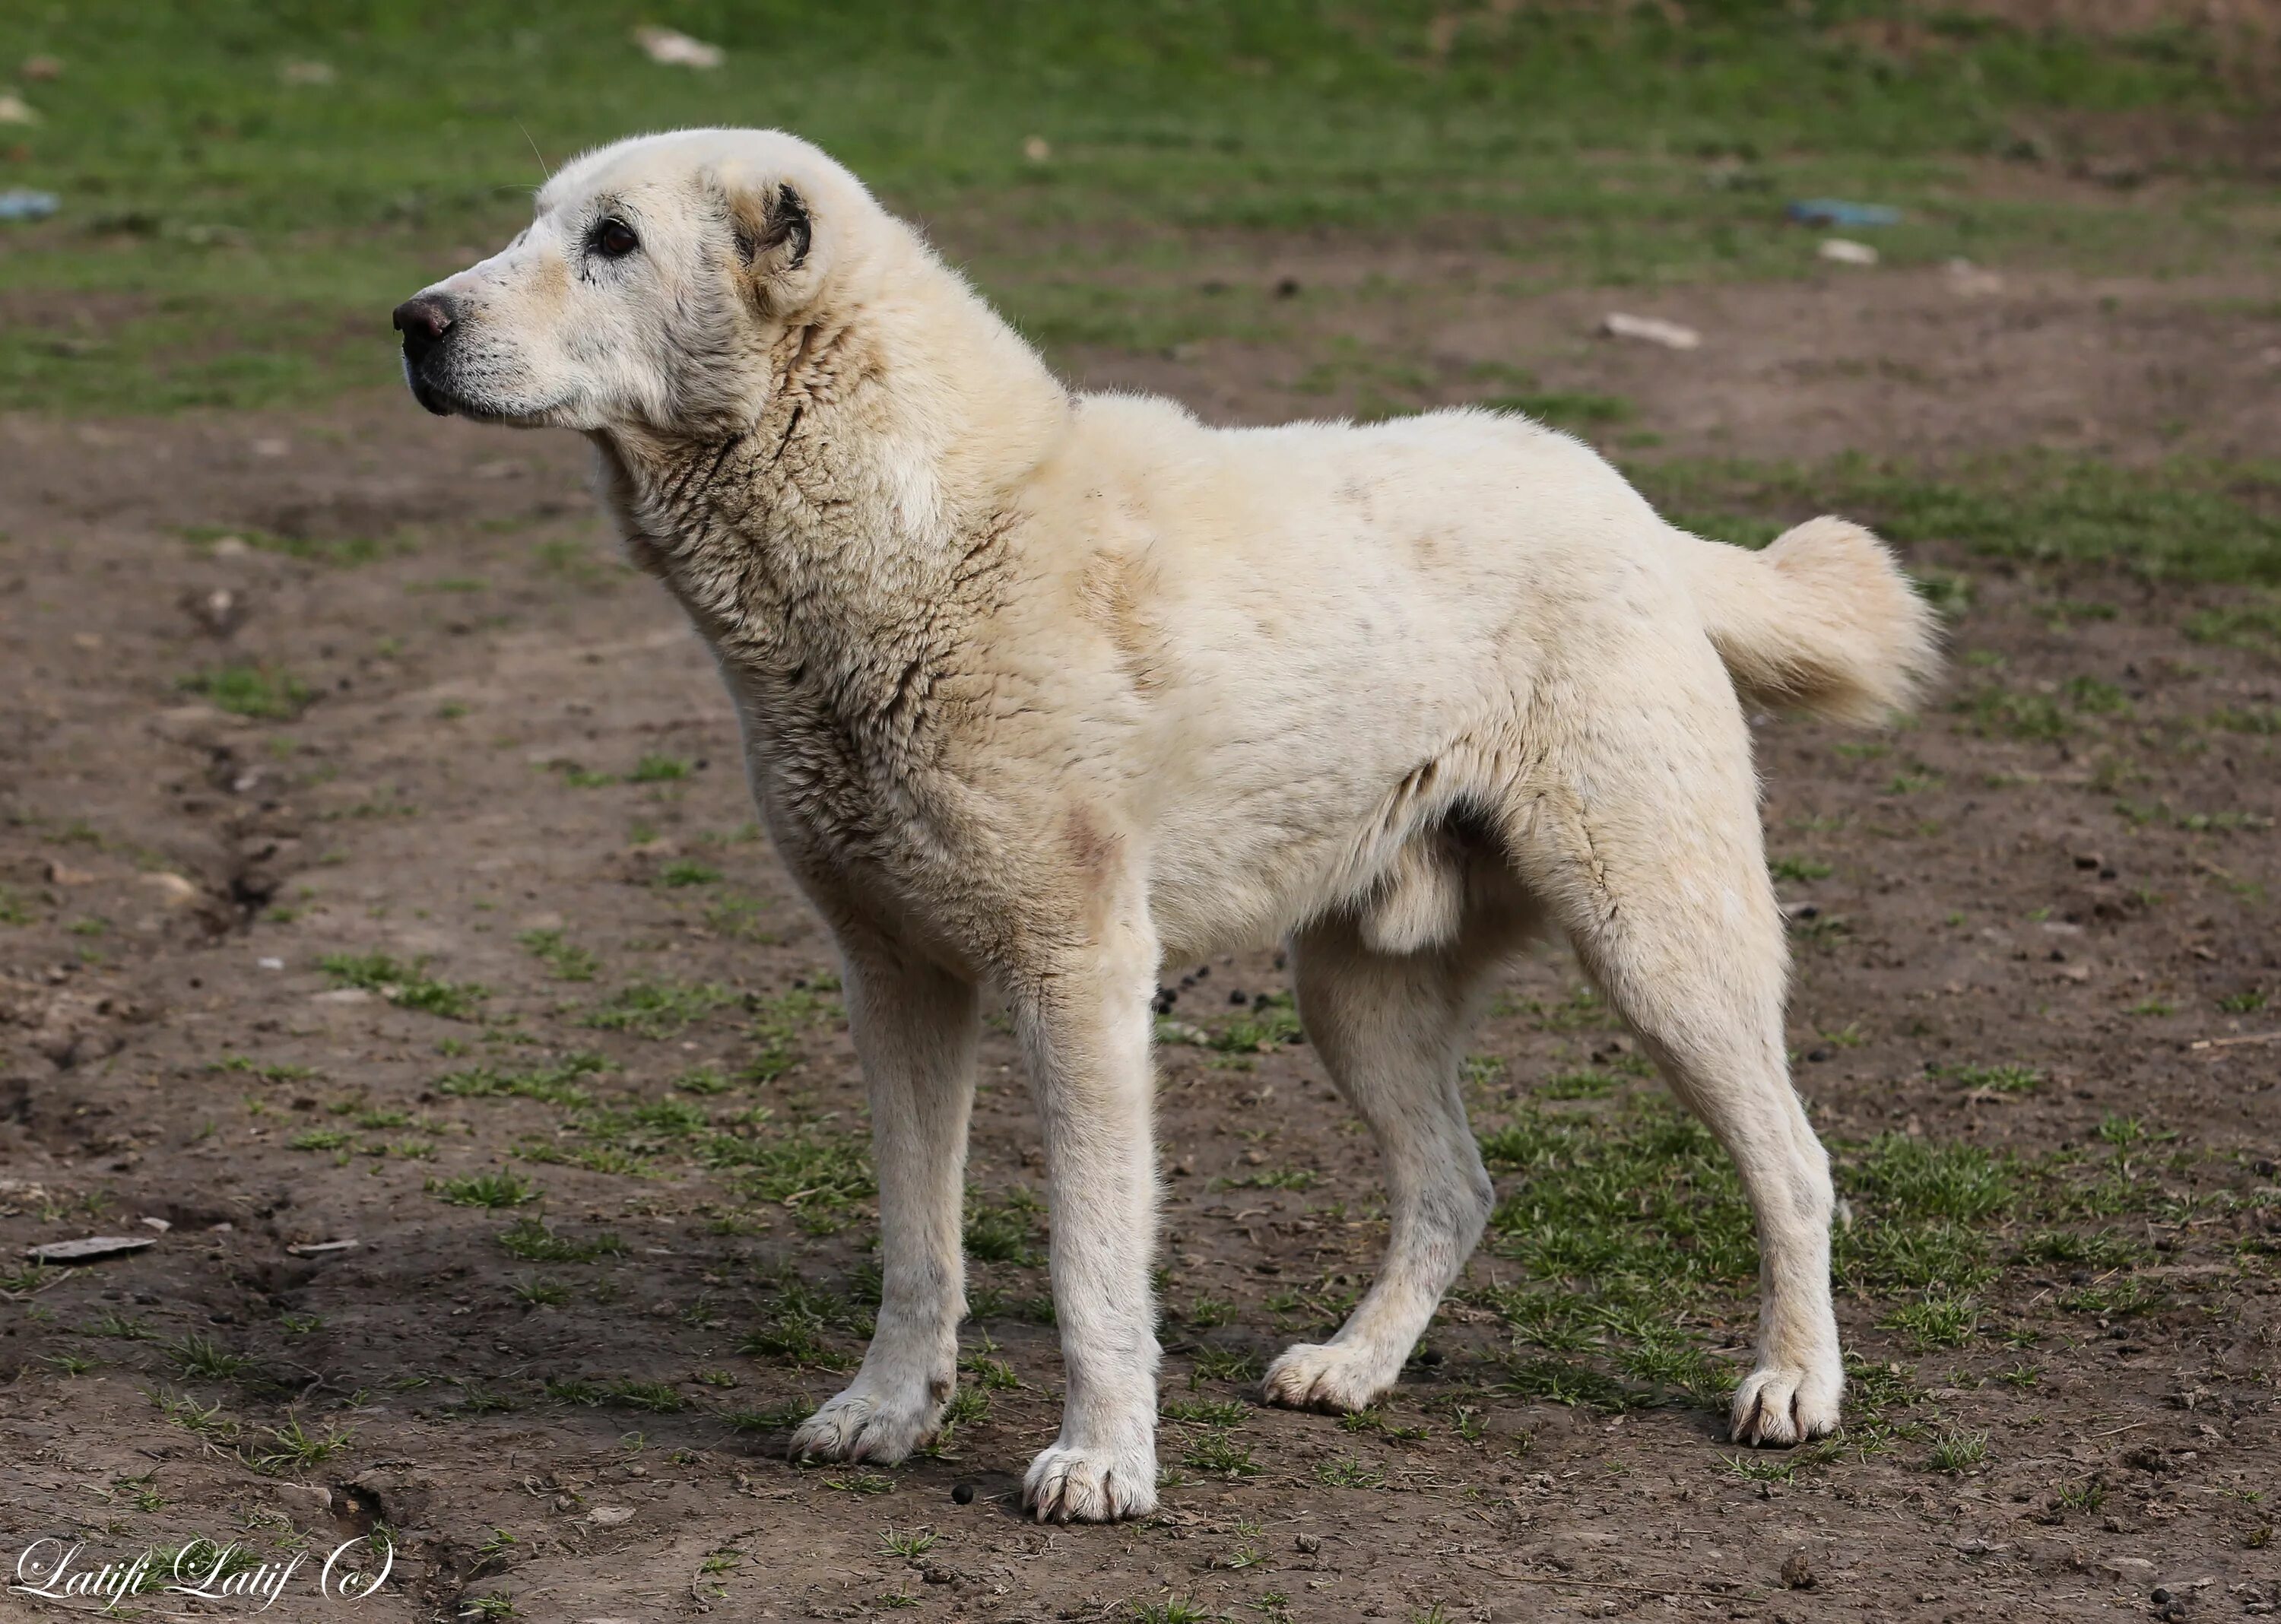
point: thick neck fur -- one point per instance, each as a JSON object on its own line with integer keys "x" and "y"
{"x": 834, "y": 548}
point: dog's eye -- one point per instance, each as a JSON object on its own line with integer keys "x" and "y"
{"x": 613, "y": 239}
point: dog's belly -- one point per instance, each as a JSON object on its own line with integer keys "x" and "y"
{"x": 1268, "y": 835}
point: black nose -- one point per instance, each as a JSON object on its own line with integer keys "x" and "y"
{"x": 423, "y": 321}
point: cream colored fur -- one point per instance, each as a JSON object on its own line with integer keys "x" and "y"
{"x": 1048, "y": 690}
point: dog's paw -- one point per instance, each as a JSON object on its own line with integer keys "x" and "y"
{"x": 1340, "y": 1378}
{"x": 1778, "y": 1405}
{"x": 1067, "y": 1485}
{"x": 863, "y": 1424}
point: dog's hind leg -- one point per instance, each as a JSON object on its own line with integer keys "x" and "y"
{"x": 915, "y": 1027}
{"x": 1645, "y": 843}
{"x": 1391, "y": 1028}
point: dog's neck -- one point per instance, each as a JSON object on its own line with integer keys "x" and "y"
{"x": 834, "y": 547}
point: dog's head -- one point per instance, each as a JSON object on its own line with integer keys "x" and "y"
{"x": 659, "y": 275}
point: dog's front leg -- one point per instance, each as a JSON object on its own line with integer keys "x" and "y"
{"x": 1086, "y": 1023}
{"x": 914, "y": 1027}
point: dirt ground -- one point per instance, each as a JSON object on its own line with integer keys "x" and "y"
{"x": 581, "y": 1276}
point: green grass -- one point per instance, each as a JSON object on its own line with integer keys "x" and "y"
{"x": 658, "y": 1008}
{"x": 404, "y": 985}
{"x": 1634, "y": 1243}
{"x": 238, "y": 240}
{"x": 565, "y": 959}
{"x": 2186, "y": 520}
{"x": 493, "y": 1190}
{"x": 556, "y": 1084}
{"x": 256, "y": 691}
{"x": 203, "y": 1357}
{"x": 533, "y": 1241}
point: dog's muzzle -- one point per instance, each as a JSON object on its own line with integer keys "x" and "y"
{"x": 427, "y": 324}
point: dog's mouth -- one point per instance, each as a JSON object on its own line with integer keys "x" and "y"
{"x": 432, "y": 396}
{"x": 441, "y": 397}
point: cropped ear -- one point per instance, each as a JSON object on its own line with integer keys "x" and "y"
{"x": 775, "y": 235}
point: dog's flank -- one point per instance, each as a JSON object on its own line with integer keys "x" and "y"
{"x": 1047, "y": 689}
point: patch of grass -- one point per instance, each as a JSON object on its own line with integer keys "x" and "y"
{"x": 273, "y": 1072}
{"x": 2192, "y": 520}
{"x": 202, "y": 1356}
{"x": 908, "y": 1543}
{"x": 2255, "y": 624}
{"x": 861, "y": 1483}
{"x": 2000, "y": 712}
{"x": 1586, "y": 1085}
{"x": 258, "y": 690}
{"x": 294, "y": 1447}
{"x": 494, "y": 1190}
{"x": 184, "y": 166}
{"x": 1217, "y": 1453}
{"x": 541, "y": 1293}
{"x": 1216, "y": 1364}
{"x": 1173, "y": 1610}
{"x": 1564, "y": 409}
{"x": 565, "y": 959}
{"x": 738, "y": 918}
{"x": 404, "y": 985}
{"x": 111, "y": 1322}
{"x": 1206, "y": 1313}
{"x": 208, "y": 1422}
{"x": 1800, "y": 869}
{"x": 1632, "y": 1226}
{"x": 1204, "y": 1414}
{"x": 809, "y": 1166}
{"x": 1005, "y": 1231}
{"x": 778, "y": 1023}
{"x": 683, "y": 872}
{"x": 654, "y": 1398}
{"x": 344, "y": 552}
{"x": 1958, "y": 1451}
{"x": 1999, "y": 1078}
{"x": 658, "y": 1008}
{"x": 1760, "y": 1468}
{"x": 556, "y": 1084}
{"x": 1934, "y": 1322}
{"x": 1348, "y": 1471}
{"x": 659, "y": 770}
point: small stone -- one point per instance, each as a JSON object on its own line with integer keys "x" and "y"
{"x": 962, "y": 1494}
{"x": 2160, "y": 1596}
{"x": 1309, "y": 1544}
{"x": 1798, "y": 1571}
{"x": 173, "y": 889}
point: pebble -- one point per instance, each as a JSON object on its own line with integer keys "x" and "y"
{"x": 962, "y": 1493}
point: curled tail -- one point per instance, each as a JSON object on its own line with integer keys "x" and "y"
{"x": 1822, "y": 621}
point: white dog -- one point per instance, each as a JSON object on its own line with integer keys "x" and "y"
{"x": 1048, "y": 691}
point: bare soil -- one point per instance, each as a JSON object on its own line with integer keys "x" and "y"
{"x": 171, "y": 1049}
